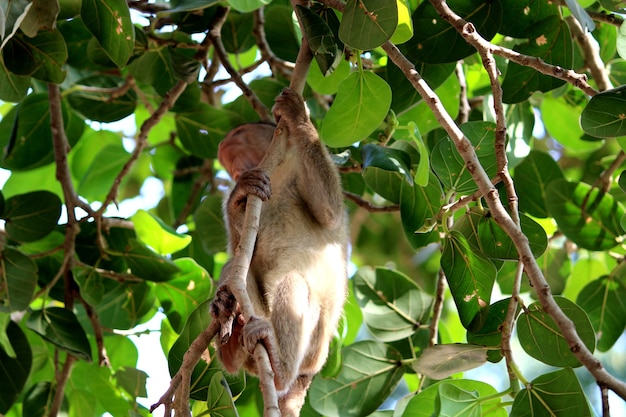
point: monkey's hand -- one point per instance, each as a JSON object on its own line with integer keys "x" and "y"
{"x": 224, "y": 309}
{"x": 255, "y": 182}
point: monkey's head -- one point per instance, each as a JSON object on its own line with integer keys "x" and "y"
{"x": 244, "y": 147}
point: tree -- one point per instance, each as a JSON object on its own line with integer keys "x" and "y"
{"x": 472, "y": 231}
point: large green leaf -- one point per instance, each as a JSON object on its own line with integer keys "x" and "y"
{"x": 541, "y": 338}
{"x": 393, "y": 306}
{"x": 18, "y": 280}
{"x": 107, "y": 164}
{"x": 201, "y": 130}
{"x": 518, "y": 16}
{"x": 60, "y": 327}
{"x": 12, "y": 87}
{"x": 157, "y": 235}
{"x": 486, "y": 236}
{"x": 566, "y": 128}
{"x": 470, "y": 277}
{"x": 387, "y": 159}
{"x": 549, "y": 40}
{"x": 124, "y": 305}
{"x": 436, "y": 42}
{"x": 26, "y": 136}
{"x": 450, "y": 167}
{"x": 482, "y": 399}
{"x": 367, "y": 24}
{"x": 604, "y": 300}
{"x": 605, "y": 114}
{"x": 532, "y": 177}
{"x": 555, "y": 394}
{"x": 443, "y": 360}
{"x": 321, "y": 39}
{"x": 369, "y": 372}
{"x": 31, "y": 216}
{"x": 13, "y": 14}
{"x": 97, "y": 104}
{"x": 210, "y": 229}
{"x": 43, "y": 56}
{"x": 586, "y": 215}
{"x": 182, "y": 294}
{"x": 361, "y": 104}
{"x": 146, "y": 264}
{"x": 490, "y": 335}
{"x": 418, "y": 209}
{"x": 110, "y": 23}
{"x": 14, "y": 369}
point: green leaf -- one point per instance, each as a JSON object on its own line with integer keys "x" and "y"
{"x": 210, "y": 228}
{"x": 26, "y": 136}
{"x": 604, "y": 300}
{"x": 486, "y": 236}
{"x": 110, "y": 23}
{"x": 470, "y": 277}
{"x": 367, "y": 24}
{"x": 99, "y": 177}
{"x": 404, "y": 30}
{"x": 450, "y": 167}
{"x": 541, "y": 338}
{"x": 550, "y": 40}
{"x": 38, "y": 399}
{"x": 321, "y": 39}
{"x": 146, "y": 264}
{"x": 586, "y": 215}
{"x": 184, "y": 293}
{"x": 361, "y": 104}
{"x": 535, "y": 172}
{"x": 246, "y": 6}
{"x": 18, "y": 280}
{"x": 490, "y": 335}
{"x": 90, "y": 283}
{"x": 156, "y": 234}
{"x": 387, "y": 159}
{"x": 518, "y": 16}
{"x": 555, "y": 394}
{"x": 133, "y": 381}
{"x": 13, "y": 13}
{"x": 393, "y": 306}
{"x": 83, "y": 400}
{"x": 566, "y": 128}
{"x": 429, "y": 401}
{"x": 60, "y": 327}
{"x": 614, "y": 5}
{"x": 441, "y": 361}
{"x": 220, "y": 400}
{"x": 41, "y": 16}
{"x": 435, "y": 41}
{"x": 201, "y": 130}
{"x": 14, "y": 370}
{"x": 100, "y": 106}
{"x": 237, "y": 32}
{"x": 13, "y": 87}
{"x": 187, "y": 6}
{"x": 418, "y": 209}
{"x": 605, "y": 114}
{"x": 124, "y": 305}
{"x": 31, "y": 216}
{"x": 49, "y": 51}
{"x": 369, "y": 373}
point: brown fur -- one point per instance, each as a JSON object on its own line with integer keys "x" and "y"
{"x": 297, "y": 277}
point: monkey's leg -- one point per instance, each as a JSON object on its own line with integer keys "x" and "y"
{"x": 291, "y": 402}
{"x": 287, "y": 335}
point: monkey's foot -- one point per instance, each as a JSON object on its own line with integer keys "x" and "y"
{"x": 258, "y": 330}
{"x": 224, "y": 310}
{"x": 290, "y": 106}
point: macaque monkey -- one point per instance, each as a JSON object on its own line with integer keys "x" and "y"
{"x": 297, "y": 277}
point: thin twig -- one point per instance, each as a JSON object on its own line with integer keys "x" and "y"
{"x": 216, "y": 39}
{"x": 369, "y": 206}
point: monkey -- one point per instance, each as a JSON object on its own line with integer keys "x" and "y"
{"x": 297, "y": 280}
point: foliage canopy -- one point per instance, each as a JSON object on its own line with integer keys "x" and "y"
{"x": 487, "y": 216}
